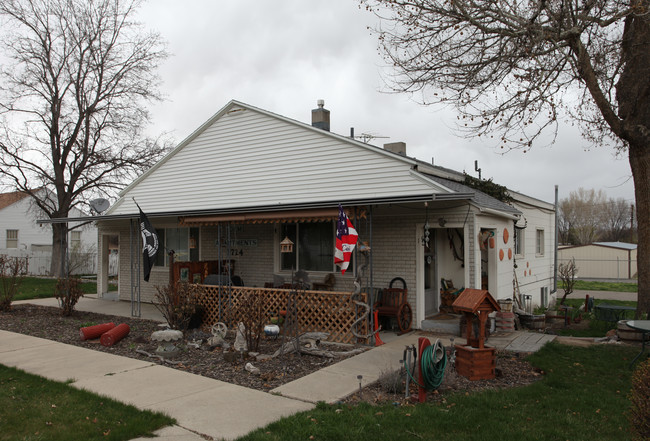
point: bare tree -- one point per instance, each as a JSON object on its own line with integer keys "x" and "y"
{"x": 567, "y": 273}
{"x": 617, "y": 220}
{"x": 73, "y": 102}
{"x": 513, "y": 68}
{"x": 583, "y": 212}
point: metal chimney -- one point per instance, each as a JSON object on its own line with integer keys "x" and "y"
{"x": 320, "y": 117}
{"x": 396, "y": 147}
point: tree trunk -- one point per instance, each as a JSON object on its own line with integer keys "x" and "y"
{"x": 633, "y": 95}
{"x": 59, "y": 250}
{"x": 640, "y": 164}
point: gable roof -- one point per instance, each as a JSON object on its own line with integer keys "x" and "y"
{"x": 248, "y": 159}
{"x": 471, "y": 300}
{"x": 7, "y": 199}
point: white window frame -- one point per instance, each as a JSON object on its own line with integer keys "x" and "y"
{"x": 75, "y": 239}
{"x": 162, "y": 251}
{"x": 519, "y": 241}
{"x": 298, "y": 266}
{"x": 539, "y": 242}
{"x": 12, "y": 239}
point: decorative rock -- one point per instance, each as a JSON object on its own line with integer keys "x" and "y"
{"x": 252, "y": 369}
{"x": 271, "y": 330}
{"x": 170, "y": 335}
{"x": 240, "y": 339}
{"x": 263, "y": 357}
{"x": 216, "y": 340}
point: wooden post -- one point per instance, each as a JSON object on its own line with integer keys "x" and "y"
{"x": 481, "y": 329}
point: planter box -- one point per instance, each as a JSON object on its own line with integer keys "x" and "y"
{"x": 475, "y": 363}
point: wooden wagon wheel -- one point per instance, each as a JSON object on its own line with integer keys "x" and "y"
{"x": 219, "y": 329}
{"x": 404, "y": 317}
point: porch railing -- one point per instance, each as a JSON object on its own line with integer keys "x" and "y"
{"x": 324, "y": 311}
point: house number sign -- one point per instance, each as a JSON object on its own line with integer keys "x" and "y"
{"x": 237, "y": 245}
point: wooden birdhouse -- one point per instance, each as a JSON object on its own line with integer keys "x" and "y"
{"x": 475, "y": 360}
{"x": 286, "y": 246}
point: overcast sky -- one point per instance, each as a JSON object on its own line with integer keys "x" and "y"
{"x": 284, "y": 55}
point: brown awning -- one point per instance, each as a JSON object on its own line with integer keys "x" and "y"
{"x": 309, "y": 215}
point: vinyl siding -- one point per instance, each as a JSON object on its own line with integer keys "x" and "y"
{"x": 536, "y": 271}
{"x": 247, "y": 158}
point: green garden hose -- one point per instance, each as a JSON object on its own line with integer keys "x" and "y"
{"x": 433, "y": 362}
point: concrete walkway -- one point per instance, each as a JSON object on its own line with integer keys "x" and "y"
{"x": 206, "y": 407}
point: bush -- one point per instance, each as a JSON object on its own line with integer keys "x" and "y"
{"x": 392, "y": 380}
{"x": 68, "y": 291}
{"x": 639, "y": 414}
{"x": 12, "y": 270}
{"x": 178, "y": 304}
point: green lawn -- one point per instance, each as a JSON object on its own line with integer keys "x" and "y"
{"x": 583, "y": 396}
{"x": 38, "y": 288}
{"x": 33, "y": 408}
{"x": 586, "y": 285}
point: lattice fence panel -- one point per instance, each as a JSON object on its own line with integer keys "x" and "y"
{"x": 324, "y": 311}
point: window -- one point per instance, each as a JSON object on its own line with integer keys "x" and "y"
{"x": 544, "y": 296}
{"x": 313, "y": 248}
{"x": 12, "y": 238}
{"x": 519, "y": 241}
{"x": 539, "y": 248}
{"x": 75, "y": 240}
{"x": 184, "y": 242}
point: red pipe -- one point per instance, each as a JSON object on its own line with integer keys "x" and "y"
{"x": 423, "y": 342}
{"x": 114, "y": 335}
{"x": 378, "y": 340}
{"x": 92, "y": 332}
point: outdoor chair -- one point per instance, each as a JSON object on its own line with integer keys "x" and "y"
{"x": 393, "y": 303}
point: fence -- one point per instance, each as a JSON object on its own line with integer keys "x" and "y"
{"x": 39, "y": 262}
{"x": 324, "y": 311}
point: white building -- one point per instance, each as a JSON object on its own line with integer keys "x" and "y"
{"x": 22, "y": 236}
{"x": 602, "y": 260}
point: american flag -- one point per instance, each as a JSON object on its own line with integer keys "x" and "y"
{"x": 346, "y": 240}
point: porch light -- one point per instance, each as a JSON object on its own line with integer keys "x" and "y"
{"x": 286, "y": 246}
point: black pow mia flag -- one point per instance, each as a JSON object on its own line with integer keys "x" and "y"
{"x": 150, "y": 243}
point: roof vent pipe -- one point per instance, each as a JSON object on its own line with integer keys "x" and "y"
{"x": 320, "y": 118}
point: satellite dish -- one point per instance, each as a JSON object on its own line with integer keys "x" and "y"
{"x": 99, "y": 205}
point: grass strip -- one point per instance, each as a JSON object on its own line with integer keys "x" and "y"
{"x": 588, "y": 285}
{"x": 39, "y": 288}
{"x": 583, "y": 396}
{"x": 34, "y": 408}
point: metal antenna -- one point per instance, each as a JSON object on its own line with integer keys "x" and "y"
{"x": 476, "y": 168}
{"x": 367, "y": 137}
